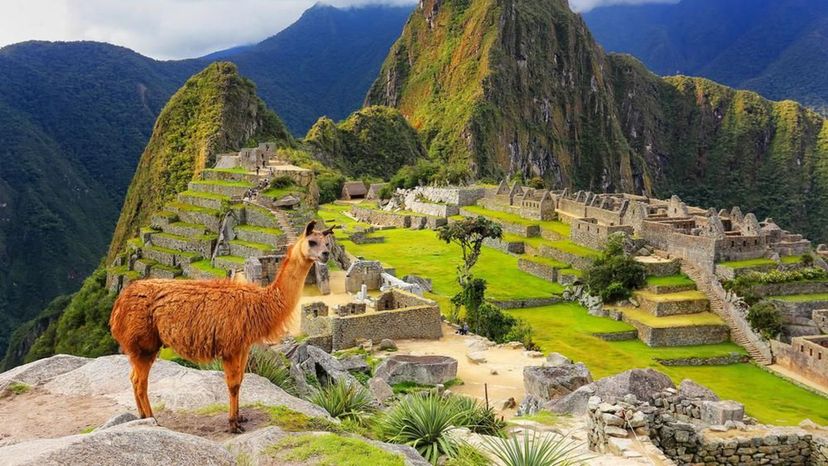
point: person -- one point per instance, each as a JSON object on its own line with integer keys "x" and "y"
{"x": 465, "y": 328}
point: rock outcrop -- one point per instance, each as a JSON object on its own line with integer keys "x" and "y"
{"x": 552, "y": 382}
{"x": 640, "y": 383}
{"x": 424, "y": 370}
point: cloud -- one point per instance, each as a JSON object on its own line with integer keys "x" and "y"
{"x": 582, "y": 6}
{"x": 163, "y": 29}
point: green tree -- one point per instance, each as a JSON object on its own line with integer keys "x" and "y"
{"x": 615, "y": 274}
{"x": 469, "y": 234}
{"x": 764, "y": 318}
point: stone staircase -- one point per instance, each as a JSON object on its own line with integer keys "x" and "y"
{"x": 715, "y": 293}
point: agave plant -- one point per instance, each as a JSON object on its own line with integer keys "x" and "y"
{"x": 535, "y": 449}
{"x": 273, "y": 366}
{"x": 344, "y": 401}
{"x": 423, "y": 422}
{"x": 476, "y": 417}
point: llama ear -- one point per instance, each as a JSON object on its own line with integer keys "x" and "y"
{"x": 310, "y": 227}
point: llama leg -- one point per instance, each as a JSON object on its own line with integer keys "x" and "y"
{"x": 233, "y": 375}
{"x": 133, "y": 377}
{"x": 141, "y": 365}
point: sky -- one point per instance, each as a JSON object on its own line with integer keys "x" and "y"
{"x": 172, "y": 29}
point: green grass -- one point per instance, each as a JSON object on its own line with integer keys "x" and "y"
{"x": 546, "y": 261}
{"x": 790, "y": 259}
{"x": 188, "y": 225}
{"x": 691, "y": 295}
{"x": 294, "y": 421}
{"x": 203, "y": 195}
{"x": 260, "y": 246}
{"x": 278, "y": 193}
{"x": 748, "y": 263}
{"x": 186, "y": 254}
{"x": 554, "y": 226}
{"x": 546, "y": 418}
{"x": 801, "y": 298}
{"x": 567, "y": 328}
{"x": 683, "y": 320}
{"x": 193, "y": 208}
{"x": 233, "y": 259}
{"x": 332, "y": 450}
{"x": 229, "y": 184}
{"x": 19, "y": 388}
{"x": 237, "y": 170}
{"x": 272, "y": 231}
{"x": 207, "y": 266}
{"x": 671, "y": 280}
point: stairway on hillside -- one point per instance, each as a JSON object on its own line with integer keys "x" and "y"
{"x": 718, "y": 306}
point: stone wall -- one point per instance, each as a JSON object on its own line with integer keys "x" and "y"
{"x": 538, "y": 269}
{"x": 805, "y": 356}
{"x": 418, "y": 322}
{"x": 458, "y": 196}
{"x": 509, "y": 247}
{"x": 681, "y": 336}
{"x": 377, "y": 217}
{"x": 776, "y": 289}
{"x": 732, "y": 358}
{"x": 588, "y": 232}
{"x": 436, "y": 210}
{"x": 526, "y": 302}
{"x": 578, "y": 262}
{"x": 529, "y": 231}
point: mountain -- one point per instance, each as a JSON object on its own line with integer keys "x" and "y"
{"x": 324, "y": 63}
{"x": 216, "y": 110}
{"x": 75, "y": 116}
{"x": 778, "y": 48}
{"x": 521, "y": 88}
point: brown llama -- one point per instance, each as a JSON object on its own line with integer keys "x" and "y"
{"x": 207, "y": 319}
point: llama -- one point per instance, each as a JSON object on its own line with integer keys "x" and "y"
{"x": 207, "y": 319}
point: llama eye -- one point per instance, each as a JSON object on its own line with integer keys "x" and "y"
{"x": 312, "y": 243}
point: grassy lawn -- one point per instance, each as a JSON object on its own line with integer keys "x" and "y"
{"x": 683, "y": 320}
{"x": 692, "y": 295}
{"x": 207, "y": 266}
{"x": 549, "y": 225}
{"x": 272, "y": 231}
{"x": 790, "y": 259}
{"x": 801, "y": 298}
{"x": 672, "y": 280}
{"x": 747, "y": 263}
{"x": 567, "y": 329}
{"x": 204, "y": 195}
{"x": 227, "y": 170}
{"x": 230, "y": 184}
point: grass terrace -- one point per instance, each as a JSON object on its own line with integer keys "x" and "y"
{"x": 272, "y": 231}
{"x": 748, "y": 263}
{"x": 549, "y": 225}
{"x": 669, "y": 297}
{"x": 205, "y": 195}
{"x": 801, "y": 298}
{"x": 229, "y": 184}
{"x": 683, "y": 320}
{"x": 546, "y": 261}
{"x": 672, "y": 280}
{"x": 207, "y": 266}
{"x": 227, "y": 170}
{"x": 193, "y": 208}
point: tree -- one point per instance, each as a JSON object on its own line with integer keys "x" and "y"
{"x": 764, "y": 318}
{"x": 615, "y": 274}
{"x": 469, "y": 234}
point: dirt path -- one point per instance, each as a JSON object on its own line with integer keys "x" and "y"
{"x": 506, "y": 362}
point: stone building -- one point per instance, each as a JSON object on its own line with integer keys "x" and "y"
{"x": 354, "y": 190}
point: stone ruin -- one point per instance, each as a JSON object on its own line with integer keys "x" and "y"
{"x": 395, "y": 314}
{"x": 364, "y": 272}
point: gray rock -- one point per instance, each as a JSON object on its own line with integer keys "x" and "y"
{"x": 425, "y": 370}
{"x": 552, "y": 382}
{"x": 529, "y": 405}
{"x": 355, "y": 364}
{"x": 174, "y": 386}
{"x": 380, "y": 389}
{"x": 423, "y": 283}
{"x": 119, "y": 445}
{"x": 613, "y": 431}
{"x": 387, "y": 344}
{"x": 43, "y": 370}
{"x": 690, "y": 389}
{"x": 533, "y": 354}
{"x": 314, "y": 361}
{"x": 557, "y": 359}
{"x": 720, "y": 412}
{"x": 476, "y": 357}
{"x": 643, "y": 383}
{"x": 118, "y": 419}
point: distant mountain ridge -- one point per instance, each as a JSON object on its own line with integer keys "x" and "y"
{"x": 75, "y": 117}
{"x": 778, "y": 48}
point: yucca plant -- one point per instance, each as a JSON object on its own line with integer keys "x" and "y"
{"x": 344, "y": 401}
{"x": 535, "y": 449}
{"x": 423, "y": 421}
{"x": 273, "y": 366}
{"x": 476, "y": 417}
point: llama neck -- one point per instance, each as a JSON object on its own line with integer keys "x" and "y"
{"x": 290, "y": 281}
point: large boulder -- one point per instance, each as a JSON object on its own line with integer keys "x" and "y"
{"x": 175, "y": 386}
{"x": 551, "y": 382}
{"x": 380, "y": 389}
{"x": 315, "y": 362}
{"x": 424, "y": 370}
{"x": 137, "y": 442}
{"x": 690, "y": 389}
{"x": 43, "y": 370}
{"x": 642, "y": 383}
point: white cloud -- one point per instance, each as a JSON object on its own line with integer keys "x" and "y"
{"x": 582, "y": 6}
{"x": 162, "y": 29}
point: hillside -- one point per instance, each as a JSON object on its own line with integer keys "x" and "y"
{"x": 521, "y": 88}
{"x": 75, "y": 117}
{"x": 216, "y": 110}
{"x": 776, "y": 48}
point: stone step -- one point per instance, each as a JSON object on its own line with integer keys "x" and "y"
{"x": 250, "y": 249}
{"x": 184, "y": 229}
{"x": 150, "y": 268}
{"x": 224, "y": 174}
{"x": 206, "y": 200}
{"x": 202, "y": 245}
{"x": 229, "y": 262}
{"x": 170, "y": 257}
{"x": 255, "y": 234}
{"x": 261, "y": 217}
{"x": 670, "y": 304}
{"x": 699, "y": 329}
{"x": 223, "y": 188}
{"x": 204, "y": 270}
{"x": 163, "y": 218}
{"x": 188, "y": 213}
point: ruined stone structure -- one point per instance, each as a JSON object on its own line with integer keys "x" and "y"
{"x": 395, "y": 314}
{"x": 806, "y": 355}
{"x": 354, "y": 190}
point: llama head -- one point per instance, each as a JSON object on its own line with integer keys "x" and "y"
{"x": 315, "y": 245}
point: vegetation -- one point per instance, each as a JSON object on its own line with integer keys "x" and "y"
{"x": 273, "y": 366}
{"x": 615, "y": 274}
{"x": 670, "y": 280}
{"x": 765, "y": 319}
{"x": 373, "y": 141}
{"x": 332, "y": 450}
{"x": 469, "y": 234}
{"x": 536, "y": 449}
{"x": 18, "y": 388}
{"x": 344, "y": 401}
{"x": 743, "y": 284}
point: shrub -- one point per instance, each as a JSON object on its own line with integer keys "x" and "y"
{"x": 478, "y": 418}
{"x": 742, "y": 285}
{"x": 614, "y": 275}
{"x": 536, "y": 449}
{"x": 536, "y": 183}
{"x": 330, "y": 186}
{"x": 765, "y": 319}
{"x": 343, "y": 401}
{"x": 807, "y": 260}
{"x": 281, "y": 182}
{"x": 422, "y": 422}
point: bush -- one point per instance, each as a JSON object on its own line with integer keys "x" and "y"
{"x": 422, "y": 422}
{"x": 344, "y": 401}
{"x": 536, "y": 449}
{"x": 281, "y": 182}
{"x": 330, "y": 186}
{"x": 614, "y": 275}
{"x": 765, "y": 319}
{"x": 742, "y": 285}
{"x": 478, "y": 418}
{"x": 410, "y": 176}
{"x": 536, "y": 183}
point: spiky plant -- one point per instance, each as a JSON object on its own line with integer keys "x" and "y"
{"x": 423, "y": 422}
{"x": 476, "y": 417}
{"x": 273, "y": 366}
{"x": 535, "y": 449}
{"x": 344, "y": 401}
